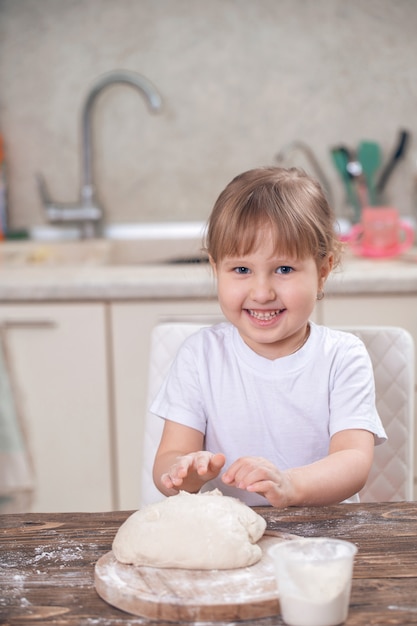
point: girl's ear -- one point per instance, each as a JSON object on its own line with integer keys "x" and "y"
{"x": 213, "y": 264}
{"x": 325, "y": 269}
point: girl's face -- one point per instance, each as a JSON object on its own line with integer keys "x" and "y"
{"x": 269, "y": 297}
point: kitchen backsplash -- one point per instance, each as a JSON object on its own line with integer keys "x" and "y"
{"x": 239, "y": 80}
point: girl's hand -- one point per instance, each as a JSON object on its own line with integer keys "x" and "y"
{"x": 259, "y": 475}
{"x": 192, "y": 470}
{"x": 335, "y": 477}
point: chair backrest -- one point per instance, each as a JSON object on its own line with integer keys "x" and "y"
{"x": 392, "y": 354}
{"x": 166, "y": 339}
{"x": 391, "y": 350}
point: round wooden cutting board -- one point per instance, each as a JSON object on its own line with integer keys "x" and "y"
{"x": 191, "y": 595}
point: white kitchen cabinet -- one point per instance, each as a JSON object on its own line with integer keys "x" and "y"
{"x": 59, "y": 356}
{"x": 376, "y": 309}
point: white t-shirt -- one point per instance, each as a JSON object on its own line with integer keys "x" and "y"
{"x": 285, "y": 410}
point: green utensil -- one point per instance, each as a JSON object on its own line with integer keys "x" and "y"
{"x": 399, "y": 151}
{"x": 369, "y": 156}
{"x": 341, "y": 159}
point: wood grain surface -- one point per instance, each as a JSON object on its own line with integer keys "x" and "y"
{"x": 47, "y": 564}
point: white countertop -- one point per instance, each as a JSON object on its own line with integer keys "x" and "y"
{"x": 86, "y": 282}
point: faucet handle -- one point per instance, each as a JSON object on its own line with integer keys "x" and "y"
{"x": 43, "y": 189}
{"x": 84, "y": 214}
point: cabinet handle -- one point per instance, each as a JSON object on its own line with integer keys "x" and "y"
{"x": 9, "y": 324}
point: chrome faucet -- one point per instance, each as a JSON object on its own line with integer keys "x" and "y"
{"x": 88, "y": 213}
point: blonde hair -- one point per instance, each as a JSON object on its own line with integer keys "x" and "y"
{"x": 287, "y": 201}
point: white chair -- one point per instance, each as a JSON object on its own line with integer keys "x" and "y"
{"x": 392, "y": 353}
{"x": 165, "y": 340}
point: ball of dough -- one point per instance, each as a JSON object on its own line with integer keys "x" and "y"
{"x": 191, "y": 531}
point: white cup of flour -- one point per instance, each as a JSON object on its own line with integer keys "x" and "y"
{"x": 314, "y": 579}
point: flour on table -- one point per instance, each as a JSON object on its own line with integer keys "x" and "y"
{"x": 191, "y": 531}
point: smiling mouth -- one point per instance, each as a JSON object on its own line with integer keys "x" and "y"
{"x": 264, "y": 315}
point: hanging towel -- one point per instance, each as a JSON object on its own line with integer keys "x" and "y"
{"x": 16, "y": 472}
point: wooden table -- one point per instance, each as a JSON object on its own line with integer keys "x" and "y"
{"x": 47, "y": 563}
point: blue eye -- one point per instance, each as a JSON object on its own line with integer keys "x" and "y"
{"x": 284, "y": 269}
{"x": 241, "y": 270}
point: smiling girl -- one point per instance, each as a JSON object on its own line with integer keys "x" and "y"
{"x": 269, "y": 407}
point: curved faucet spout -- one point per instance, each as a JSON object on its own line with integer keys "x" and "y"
{"x": 143, "y": 85}
{"x": 87, "y": 212}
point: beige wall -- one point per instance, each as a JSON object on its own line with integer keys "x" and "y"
{"x": 240, "y": 79}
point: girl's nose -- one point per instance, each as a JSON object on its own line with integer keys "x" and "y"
{"x": 262, "y": 291}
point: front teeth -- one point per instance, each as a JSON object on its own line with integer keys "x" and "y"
{"x": 264, "y": 316}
